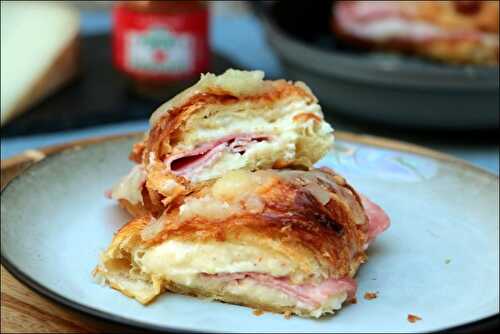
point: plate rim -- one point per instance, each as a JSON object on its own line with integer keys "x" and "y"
{"x": 56, "y": 150}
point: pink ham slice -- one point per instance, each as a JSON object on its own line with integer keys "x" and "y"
{"x": 381, "y": 20}
{"x": 310, "y": 294}
{"x": 186, "y": 162}
{"x": 365, "y": 11}
{"x": 316, "y": 294}
{"x": 378, "y": 220}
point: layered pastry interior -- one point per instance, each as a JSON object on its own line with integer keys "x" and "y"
{"x": 286, "y": 241}
{"x": 233, "y": 121}
{"x": 227, "y": 204}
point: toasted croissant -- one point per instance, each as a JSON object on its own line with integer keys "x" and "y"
{"x": 236, "y": 120}
{"x": 280, "y": 240}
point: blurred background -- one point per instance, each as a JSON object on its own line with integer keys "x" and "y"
{"x": 77, "y": 69}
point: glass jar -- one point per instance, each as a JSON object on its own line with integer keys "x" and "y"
{"x": 160, "y": 46}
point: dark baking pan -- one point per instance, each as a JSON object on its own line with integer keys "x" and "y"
{"x": 379, "y": 87}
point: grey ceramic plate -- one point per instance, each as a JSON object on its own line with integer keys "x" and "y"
{"x": 439, "y": 259}
{"x": 380, "y": 87}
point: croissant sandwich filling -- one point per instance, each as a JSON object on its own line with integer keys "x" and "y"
{"x": 227, "y": 204}
{"x": 452, "y": 31}
{"x": 207, "y": 131}
{"x": 224, "y": 136}
{"x": 378, "y": 20}
{"x": 277, "y": 239}
{"x": 247, "y": 274}
{"x": 190, "y": 163}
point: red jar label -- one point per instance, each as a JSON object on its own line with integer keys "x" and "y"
{"x": 160, "y": 46}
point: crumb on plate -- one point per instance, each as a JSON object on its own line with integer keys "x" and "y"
{"x": 370, "y": 295}
{"x": 287, "y": 314}
{"x": 447, "y": 261}
{"x": 413, "y": 318}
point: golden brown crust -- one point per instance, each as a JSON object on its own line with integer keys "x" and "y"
{"x": 304, "y": 117}
{"x": 313, "y": 219}
{"x": 137, "y": 152}
{"x": 196, "y": 136}
{"x": 465, "y": 15}
{"x": 166, "y": 131}
{"x": 171, "y": 121}
{"x": 334, "y": 233}
{"x": 128, "y": 236}
{"x": 466, "y": 21}
{"x": 156, "y": 199}
{"x": 136, "y": 210}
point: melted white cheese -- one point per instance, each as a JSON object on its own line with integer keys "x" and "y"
{"x": 278, "y": 122}
{"x": 129, "y": 187}
{"x": 231, "y": 120}
{"x": 183, "y": 261}
{"x": 395, "y": 27}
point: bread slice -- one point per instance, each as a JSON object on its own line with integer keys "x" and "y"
{"x": 233, "y": 121}
{"x": 280, "y": 240}
{"x": 39, "y": 52}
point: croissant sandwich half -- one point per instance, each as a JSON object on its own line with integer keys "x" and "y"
{"x": 286, "y": 241}
{"x": 236, "y": 120}
{"x": 227, "y": 204}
